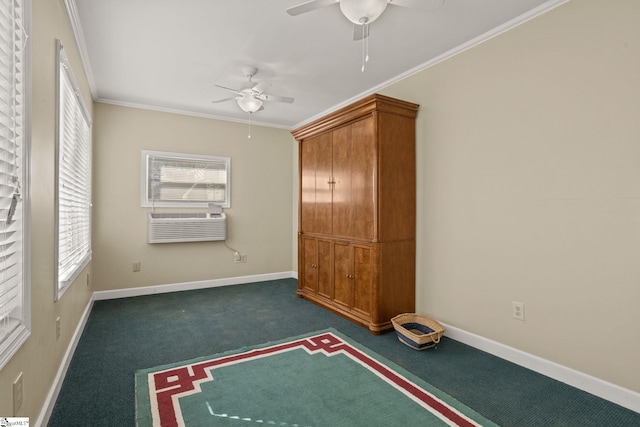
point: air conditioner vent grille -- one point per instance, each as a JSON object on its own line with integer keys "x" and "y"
{"x": 186, "y": 227}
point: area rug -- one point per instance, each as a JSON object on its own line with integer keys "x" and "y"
{"x": 319, "y": 379}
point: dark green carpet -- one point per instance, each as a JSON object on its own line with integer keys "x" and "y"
{"x": 125, "y": 335}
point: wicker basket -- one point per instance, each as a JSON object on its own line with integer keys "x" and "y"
{"x": 416, "y": 331}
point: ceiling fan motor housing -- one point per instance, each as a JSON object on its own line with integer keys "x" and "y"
{"x": 249, "y": 71}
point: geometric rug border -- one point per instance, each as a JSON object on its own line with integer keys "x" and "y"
{"x": 178, "y": 379}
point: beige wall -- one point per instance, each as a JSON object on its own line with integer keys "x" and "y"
{"x": 529, "y": 188}
{"x": 259, "y": 220}
{"x": 40, "y": 357}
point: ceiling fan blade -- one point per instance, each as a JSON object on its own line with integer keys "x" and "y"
{"x": 424, "y": 5}
{"x": 276, "y": 98}
{"x": 360, "y": 32}
{"x": 222, "y": 100}
{"x": 309, "y": 6}
{"x": 260, "y": 87}
{"x": 236, "y": 91}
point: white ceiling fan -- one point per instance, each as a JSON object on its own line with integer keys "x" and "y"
{"x": 251, "y": 96}
{"x": 363, "y": 12}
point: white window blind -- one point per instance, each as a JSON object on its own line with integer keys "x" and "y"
{"x": 186, "y": 180}
{"x": 73, "y": 178}
{"x": 14, "y": 241}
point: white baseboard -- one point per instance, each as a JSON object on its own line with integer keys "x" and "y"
{"x": 624, "y": 397}
{"x": 52, "y": 396}
{"x": 188, "y": 286}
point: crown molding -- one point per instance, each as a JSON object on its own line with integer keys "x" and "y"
{"x": 188, "y": 113}
{"x": 72, "y": 14}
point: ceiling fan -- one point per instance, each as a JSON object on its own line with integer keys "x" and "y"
{"x": 363, "y": 12}
{"x": 251, "y": 96}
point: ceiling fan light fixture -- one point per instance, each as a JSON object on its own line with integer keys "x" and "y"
{"x": 249, "y": 103}
{"x": 362, "y": 11}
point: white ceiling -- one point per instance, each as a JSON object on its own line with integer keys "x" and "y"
{"x": 169, "y": 54}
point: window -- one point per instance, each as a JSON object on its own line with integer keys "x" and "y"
{"x": 73, "y": 175}
{"x": 15, "y": 301}
{"x": 184, "y": 180}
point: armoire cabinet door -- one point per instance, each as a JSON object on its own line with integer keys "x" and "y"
{"x": 317, "y": 266}
{"x": 362, "y": 279}
{"x": 324, "y": 268}
{"x": 353, "y": 278}
{"x": 309, "y": 265}
{"x": 341, "y": 272}
{"x": 316, "y": 184}
{"x": 354, "y": 177}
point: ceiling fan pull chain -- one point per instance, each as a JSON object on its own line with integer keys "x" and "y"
{"x": 366, "y": 58}
{"x": 364, "y": 41}
{"x": 249, "y": 136}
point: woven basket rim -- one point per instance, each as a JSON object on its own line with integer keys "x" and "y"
{"x": 433, "y": 324}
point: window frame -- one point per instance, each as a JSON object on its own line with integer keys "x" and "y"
{"x": 147, "y": 158}
{"x": 81, "y": 222}
{"x": 13, "y": 337}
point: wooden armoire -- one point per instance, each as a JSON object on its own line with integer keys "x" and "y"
{"x": 357, "y": 211}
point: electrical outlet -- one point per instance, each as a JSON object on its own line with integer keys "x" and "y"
{"x": 57, "y": 328}
{"x": 238, "y": 257}
{"x": 517, "y": 310}
{"x": 136, "y": 266}
{"x": 17, "y": 394}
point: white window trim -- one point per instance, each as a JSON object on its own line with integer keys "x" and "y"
{"x": 146, "y": 199}
{"x": 11, "y": 342}
{"x": 73, "y": 270}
